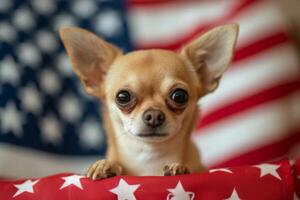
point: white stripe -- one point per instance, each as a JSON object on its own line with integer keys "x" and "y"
{"x": 158, "y": 26}
{"x": 259, "y": 21}
{"x": 268, "y": 68}
{"x": 249, "y": 130}
{"x": 165, "y": 23}
{"x": 20, "y": 162}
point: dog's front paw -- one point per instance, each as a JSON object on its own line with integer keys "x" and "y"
{"x": 103, "y": 169}
{"x": 175, "y": 169}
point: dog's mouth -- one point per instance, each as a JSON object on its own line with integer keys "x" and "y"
{"x": 152, "y": 135}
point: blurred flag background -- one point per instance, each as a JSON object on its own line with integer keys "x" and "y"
{"x": 48, "y": 124}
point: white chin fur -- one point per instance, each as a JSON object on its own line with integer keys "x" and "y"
{"x": 151, "y": 138}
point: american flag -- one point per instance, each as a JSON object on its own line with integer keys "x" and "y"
{"x": 48, "y": 125}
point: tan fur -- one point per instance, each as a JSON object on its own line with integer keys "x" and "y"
{"x": 151, "y": 75}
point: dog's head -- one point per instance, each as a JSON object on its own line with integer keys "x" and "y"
{"x": 151, "y": 94}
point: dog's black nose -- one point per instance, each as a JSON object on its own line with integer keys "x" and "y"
{"x": 153, "y": 118}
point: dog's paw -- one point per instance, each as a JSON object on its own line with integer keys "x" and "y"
{"x": 103, "y": 169}
{"x": 175, "y": 169}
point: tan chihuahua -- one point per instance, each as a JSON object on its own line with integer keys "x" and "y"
{"x": 149, "y": 98}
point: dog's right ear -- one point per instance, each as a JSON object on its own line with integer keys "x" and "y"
{"x": 90, "y": 56}
{"x": 211, "y": 54}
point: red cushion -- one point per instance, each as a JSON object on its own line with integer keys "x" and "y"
{"x": 265, "y": 181}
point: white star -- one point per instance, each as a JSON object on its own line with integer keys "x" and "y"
{"x": 23, "y": 19}
{"x": 234, "y": 195}
{"x": 9, "y": 71}
{"x": 51, "y": 130}
{"x": 91, "y": 135}
{"x": 44, "y": 7}
{"x": 72, "y": 180}
{"x": 220, "y": 170}
{"x": 63, "y": 64}
{"x": 29, "y": 54}
{"x": 268, "y": 169}
{"x": 124, "y": 191}
{"x": 108, "y": 23}
{"x": 46, "y": 41}
{"x": 70, "y": 108}
{"x": 64, "y": 20}
{"x": 27, "y": 186}
{"x": 31, "y": 100}
{"x": 7, "y": 32}
{"x": 11, "y": 119}
{"x": 180, "y": 193}
{"x": 49, "y": 82}
{"x": 84, "y": 8}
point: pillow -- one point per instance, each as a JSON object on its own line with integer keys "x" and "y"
{"x": 264, "y": 181}
{"x": 47, "y": 123}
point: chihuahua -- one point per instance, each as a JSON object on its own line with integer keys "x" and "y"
{"x": 149, "y": 98}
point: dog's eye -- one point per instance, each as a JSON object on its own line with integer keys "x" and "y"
{"x": 123, "y": 98}
{"x": 179, "y": 96}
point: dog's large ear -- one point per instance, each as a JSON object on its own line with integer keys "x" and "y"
{"x": 90, "y": 56}
{"x": 211, "y": 54}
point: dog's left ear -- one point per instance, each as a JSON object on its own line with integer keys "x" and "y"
{"x": 211, "y": 55}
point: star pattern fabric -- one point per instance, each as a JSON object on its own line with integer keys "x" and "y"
{"x": 234, "y": 196}
{"x": 72, "y": 180}
{"x": 27, "y": 186}
{"x": 271, "y": 169}
{"x": 179, "y": 193}
{"x": 242, "y": 183}
{"x": 125, "y": 191}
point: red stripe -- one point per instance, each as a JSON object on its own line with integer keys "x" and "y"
{"x": 151, "y": 3}
{"x": 241, "y": 105}
{"x": 198, "y": 30}
{"x": 261, "y": 45}
{"x": 263, "y": 154}
{"x": 155, "y": 3}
